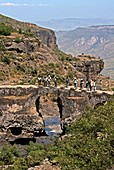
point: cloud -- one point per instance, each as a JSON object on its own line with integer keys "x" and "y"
{"x": 24, "y": 4}
{"x": 8, "y": 4}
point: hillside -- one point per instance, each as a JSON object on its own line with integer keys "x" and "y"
{"x": 95, "y": 40}
{"x": 28, "y": 51}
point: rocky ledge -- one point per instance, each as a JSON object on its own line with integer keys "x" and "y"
{"x": 24, "y": 108}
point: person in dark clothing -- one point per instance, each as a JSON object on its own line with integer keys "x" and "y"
{"x": 75, "y": 83}
{"x": 55, "y": 81}
{"x": 81, "y": 84}
{"x": 67, "y": 81}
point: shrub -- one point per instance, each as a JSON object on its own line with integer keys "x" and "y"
{"x": 20, "y": 164}
{"x": 60, "y": 79}
{"x": 2, "y": 47}
{"x": 17, "y": 40}
{"x": 8, "y": 154}
{"x": 5, "y": 30}
{"x": 20, "y": 68}
{"x": 20, "y": 31}
{"x": 6, "y": 59}
{"x": 52, "y": 65}
{"x": 36, "y": 154}
{"x": 61, "y": 55}
{"x": 69, "y": 58}
{"x": 28, "y": 34}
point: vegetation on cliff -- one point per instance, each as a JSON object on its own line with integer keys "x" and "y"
{"x": 28, "y": 51}
{"x": 89, "y": 144}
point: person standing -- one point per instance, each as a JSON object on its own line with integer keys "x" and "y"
{"x": 67, "y": 81}
{"x": 94, "y": 85}
{"x": 45, "y": 81}
{"x": 87, "y": 84}
{"x": 75, "y": 83}
{"x": 49, "y": 80}
{"x": 81, "y": 84}
{"x": 55, "y": 81}
{"x": 39, "y": 80}
{"x": 90, "y": 85}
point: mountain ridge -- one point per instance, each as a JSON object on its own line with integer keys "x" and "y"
{"x": 94, "y": 40}
{"x": 72, "y": 23}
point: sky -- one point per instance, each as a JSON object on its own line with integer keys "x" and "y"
{"x": 40, "y": 10}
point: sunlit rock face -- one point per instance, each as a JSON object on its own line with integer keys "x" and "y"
{"x": 90, "y": 67}
{"x": 18, "y": 115}
{"x": 24, "y": 108}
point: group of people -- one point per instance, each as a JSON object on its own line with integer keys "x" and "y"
{"x": 89, "y": 84}
{"x": 47, "y": 82}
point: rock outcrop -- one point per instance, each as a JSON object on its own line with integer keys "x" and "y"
{"x": 47, "y": 36}
{"x": 89, "y": 66}
{"x": 18, "y": 115}
{"x": 25, "y": 45}
{"x": 22, "y": 108}
{"x": 94, "y": 40}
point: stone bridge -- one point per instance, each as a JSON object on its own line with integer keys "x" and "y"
{"x": 23, "y": 108}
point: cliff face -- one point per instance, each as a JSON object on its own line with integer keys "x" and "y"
{"x": 18, "y": 114}
{"x": 89, "y": 66}
{"x": 47, "y": 36}
{"x": 29, "y": 51}
{"x": 23, "y": 108}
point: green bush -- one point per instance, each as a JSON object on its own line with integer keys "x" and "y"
{"x": 2, "y": 47}
{"x": 20, "y": 164}
{"x": 17, "y": 40}
{"x": 91, "y": 143}
{"x": 20, "y": 67}
{"x": 6, "y": 59}
{"x": 28, "y": 34}
{"x": 52, "y": 65}
{"x": 36, "y": 154}
{"x": 5, "y": 30}
{"x": 61, "y": 55}
{"x": 8, "y": 154}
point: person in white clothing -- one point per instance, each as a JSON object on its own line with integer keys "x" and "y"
{"x": 75, "y": 83}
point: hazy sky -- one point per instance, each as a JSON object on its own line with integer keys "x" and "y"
{"x": 35, "y": 10}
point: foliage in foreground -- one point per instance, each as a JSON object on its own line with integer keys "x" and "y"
{"x": 89, "y": 146}
{"x": 5, "y": 30}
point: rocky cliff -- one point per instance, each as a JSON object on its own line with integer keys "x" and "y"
{"x": 23, "y": 109}
{"x": 18, "y": 115}
{"x": 94, "y": 40}
{"x": 47, "y": 36}
{"x": 89, "y": 66}
{"x": 28, "y": 51}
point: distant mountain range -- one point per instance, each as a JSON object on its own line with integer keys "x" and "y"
{"x": 95, "y": 40}
{"x": 72, "y": 23}
{"x": 90, "y": 36}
